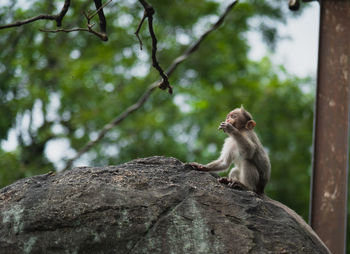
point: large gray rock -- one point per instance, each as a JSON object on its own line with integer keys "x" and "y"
{"x": 151, "y": 205}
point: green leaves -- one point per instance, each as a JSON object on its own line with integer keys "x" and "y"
{"x": 83, "y": 83}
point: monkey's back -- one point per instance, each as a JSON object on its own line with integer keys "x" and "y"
{"x": 262, "y": 163}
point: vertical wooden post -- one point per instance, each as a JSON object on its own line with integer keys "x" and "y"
{"x": 331, "y": 126}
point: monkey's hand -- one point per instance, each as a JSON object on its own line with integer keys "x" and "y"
{"x": 196, "y": 166}
{"x": 228, "y": 128}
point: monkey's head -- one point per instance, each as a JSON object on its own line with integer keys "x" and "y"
{"x": 241, "y": 119}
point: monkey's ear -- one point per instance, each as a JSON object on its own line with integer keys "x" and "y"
{"x": 250, "y": 125}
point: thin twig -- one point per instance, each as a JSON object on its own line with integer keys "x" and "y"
{"x": 195, "y": 46}
{"x": 139, "y": 28}
{"x": 100, "y": 8}
{"x": 113, "y": 123}
{"x": 145, "y": 96}
{"x": 102, "y": 35}
{"x": 58, "y": 18}
{"x": 30, "y": 20}
{"x": 65, "y": 30}
{"x": 149, "y": 11}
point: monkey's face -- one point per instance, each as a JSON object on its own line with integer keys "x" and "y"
{"x": 240, "y": 119}
{"x": 236, "y": 118}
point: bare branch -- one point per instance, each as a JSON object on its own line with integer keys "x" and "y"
{"x": 149, "y": 11}
{"x": 195, "y": 46}
{"x": 26, "y": 21}
{"x": 64, "y": 30}
{"x": 102, "y": 35}
{"x": 58, "y": 18}
{"x": 63, "y": 12}
{"x": 100, "y": 8}
{"x": 101, "y": 15}
{"x": 145, "y": 96}
{"x": 113, "y": 123}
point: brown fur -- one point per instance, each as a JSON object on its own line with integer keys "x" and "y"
{"x": 244, "y": 149}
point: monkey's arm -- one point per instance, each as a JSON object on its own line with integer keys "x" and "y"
{"x": 222, "y": 163}
{"x": 218, "y": 165}
{"x": 246, "y": 147}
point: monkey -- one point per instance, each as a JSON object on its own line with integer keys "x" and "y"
{"x": 252, "y": 166}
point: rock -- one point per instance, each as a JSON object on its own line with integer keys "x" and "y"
{"x": 150, "y": 205}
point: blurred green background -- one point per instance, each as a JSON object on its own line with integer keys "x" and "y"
{"x": 58, "y": 90}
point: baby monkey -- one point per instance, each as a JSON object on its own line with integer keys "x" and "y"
{"x": 243, "y": 148}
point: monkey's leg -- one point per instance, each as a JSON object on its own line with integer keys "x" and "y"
{"x": 233, "y": 176}
{"x": 224, "y": 180}
{"x": 249, "y": 176}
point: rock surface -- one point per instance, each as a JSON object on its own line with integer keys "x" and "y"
{"x": 151, "y": 205}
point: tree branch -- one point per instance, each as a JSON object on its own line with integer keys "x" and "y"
{"x": 138, "y": 30}
{"x": 145, "y": 96}
{"x": 30, "y": 20}
{"x": 101, "y": 15}
{"x": 63, "y": 12}
{"x": 102, "y": 35}
{"x": 58, "y": 18}
{"x": 195, "y": 46}
{"x": 113, "y": 123}
{"x": 149, "y": 11}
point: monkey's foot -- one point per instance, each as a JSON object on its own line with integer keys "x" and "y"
{"x": 225, "y": 180}
{"x": 237, "y": 186}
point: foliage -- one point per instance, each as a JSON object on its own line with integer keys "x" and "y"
{"x": 68, "y": 86}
